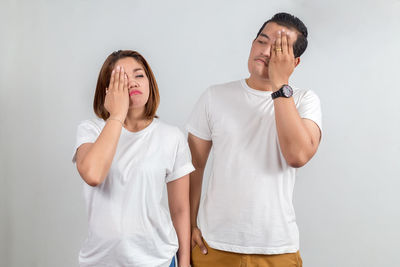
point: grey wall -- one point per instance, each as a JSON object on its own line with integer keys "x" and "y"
{"x": 51, "y": 51}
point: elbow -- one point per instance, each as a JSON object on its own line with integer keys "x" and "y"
{"x": 297, "y": 155}
{"x": 297, "y": 160}
{"x": 92, "y": 181}
{"x": 91, "y": 177}
{"x": 180, "y": 212}
{"x": 198, "y": 166}
{"x": 180, "y": 208}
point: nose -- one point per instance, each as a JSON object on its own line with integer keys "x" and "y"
{"x": 132, "y": 83}
{"x": 266, "y": 51}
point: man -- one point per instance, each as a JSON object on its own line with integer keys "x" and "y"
{"x": 261, "y": 129}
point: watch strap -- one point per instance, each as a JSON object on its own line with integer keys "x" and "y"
{"x": 277, "y": 94}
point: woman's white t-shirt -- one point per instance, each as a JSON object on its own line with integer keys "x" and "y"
{"x": 128, "y": 215}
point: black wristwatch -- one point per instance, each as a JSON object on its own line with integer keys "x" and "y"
{"x": 285, "y": 91}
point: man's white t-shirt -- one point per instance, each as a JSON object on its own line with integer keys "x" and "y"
{"x": 247, "y": 207}
{"x": 128, "y": 216}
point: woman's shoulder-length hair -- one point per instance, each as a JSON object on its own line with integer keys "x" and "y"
{"x": 104, "y": 80}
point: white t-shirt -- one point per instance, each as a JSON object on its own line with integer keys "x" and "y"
{"x": 128, "y": 216}
{"x": 247, "y": 207}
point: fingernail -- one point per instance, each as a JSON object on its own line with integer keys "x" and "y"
{"x": 118, "y": 68}
{"x": 204, "y": 251}
{"x": 279, "y": 32}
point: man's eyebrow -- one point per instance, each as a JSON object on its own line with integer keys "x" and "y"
{"x": 264, "y": 35}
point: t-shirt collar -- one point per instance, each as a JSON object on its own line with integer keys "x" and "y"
{"x": 148, "y": 128}
{"x": 254, "y": 91}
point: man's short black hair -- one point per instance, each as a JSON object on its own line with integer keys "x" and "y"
{"x": 291, "y": 22}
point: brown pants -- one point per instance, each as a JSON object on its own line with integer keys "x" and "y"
{"x": 219, "y": 258}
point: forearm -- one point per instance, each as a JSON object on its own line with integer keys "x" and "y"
{"x": 196, "y": 179}
{"x": 295, "y": 141}
{"x": 181, "y": 221}
{"x": 200, "y": 150}
{"x": 95, "y": 165}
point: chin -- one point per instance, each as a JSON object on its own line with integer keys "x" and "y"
{"x": 260, "y": 75}
{"x": 136, "y": 106}
{"x": 258, "y": 71}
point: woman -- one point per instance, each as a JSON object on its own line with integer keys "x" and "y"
{"x": 126, "y": 156}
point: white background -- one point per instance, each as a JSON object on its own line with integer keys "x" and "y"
{"x": 346, "y": 198}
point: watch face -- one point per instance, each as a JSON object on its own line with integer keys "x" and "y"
{"x": 287, "y": 91}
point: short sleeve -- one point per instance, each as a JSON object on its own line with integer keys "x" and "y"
{"x": 198, "y": 123}
{"x": 87, "y": 132}
{"x": 182, "y": 163}
{"x": 310, "y": 108}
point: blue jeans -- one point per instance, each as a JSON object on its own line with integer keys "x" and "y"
{"x": 172, "y": 262}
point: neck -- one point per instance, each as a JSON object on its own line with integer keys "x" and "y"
{"x": 135, "y": 120}
{"x": 259, "y": 83}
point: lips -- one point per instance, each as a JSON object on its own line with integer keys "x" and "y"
{"x": 261, "y": 60}
{"x": 135, "y": 92}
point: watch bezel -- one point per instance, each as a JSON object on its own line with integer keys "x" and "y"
{"x": 287, "y": 91}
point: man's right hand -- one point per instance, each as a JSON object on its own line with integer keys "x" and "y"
{"x": 197, "y": 240}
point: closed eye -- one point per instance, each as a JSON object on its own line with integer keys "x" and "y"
{"x": 139, "y": 76}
